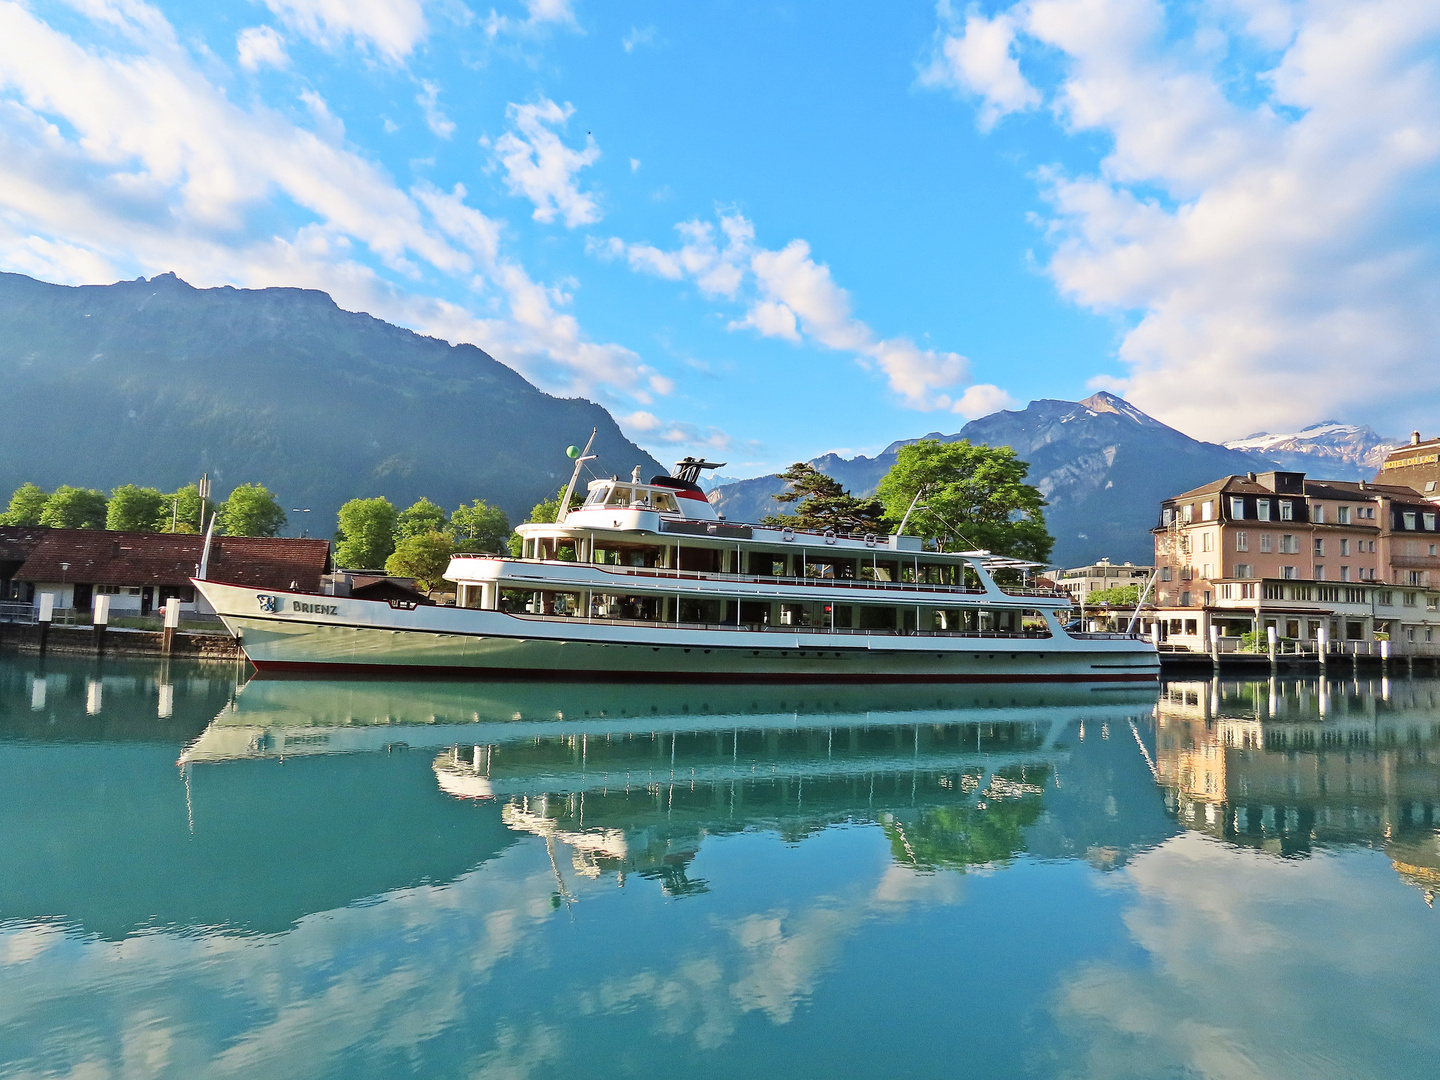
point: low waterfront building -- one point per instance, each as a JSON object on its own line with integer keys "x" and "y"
{"x": 1081, "y": 581}
{"x": 142, "y": 571}
{"x": 1416, "y": 465}
{"x": 1244, "y": 554}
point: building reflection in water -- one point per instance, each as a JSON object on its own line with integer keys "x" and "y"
{"x": 1284, "y": 766}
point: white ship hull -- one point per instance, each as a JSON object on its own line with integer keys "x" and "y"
{"x": 337, "y": 635}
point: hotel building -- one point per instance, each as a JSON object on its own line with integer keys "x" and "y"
{"x": 1275, "y": 549}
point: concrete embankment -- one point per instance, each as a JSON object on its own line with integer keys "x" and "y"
{"x": 83, "y": 640}
{"x": 1261, "y": 664}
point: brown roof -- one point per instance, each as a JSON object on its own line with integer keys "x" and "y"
{"x": 18, "y": 541}
{"x": 1237, "y": 485}
{"x": 129, "y": 558}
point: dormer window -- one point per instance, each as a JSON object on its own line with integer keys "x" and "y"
{"x": 1262, "y": 509}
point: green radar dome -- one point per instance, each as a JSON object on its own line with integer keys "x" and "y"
{"x": 572, "y": 451}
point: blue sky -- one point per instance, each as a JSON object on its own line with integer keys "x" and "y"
{"x": 764, "y": 231}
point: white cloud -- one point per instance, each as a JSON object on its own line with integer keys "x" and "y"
{"x": 540, "y": 15}
{"x": 1263, "y": 226}
{"x": 982, "y": 399}
{"x": 261, "y": 46}
{"x": 435, "y": 118}
{"x": 113, "y": 164}
{"x": 541, "y": 168}
{"x": 788, "y": 295}
{"x": 647, "y": 427}
{"x": 392, "y": 27}
{"x": 638, "y": 36}
{"x": 980, "y": 59}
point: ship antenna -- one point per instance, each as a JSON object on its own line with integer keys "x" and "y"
{"x": 580, "y": 456}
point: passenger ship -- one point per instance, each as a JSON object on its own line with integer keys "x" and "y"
{"x": 645, "y": 581}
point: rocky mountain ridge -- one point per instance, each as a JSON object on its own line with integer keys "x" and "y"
{"x": 1102, "y": 464}
{"x": 154, "y": 382}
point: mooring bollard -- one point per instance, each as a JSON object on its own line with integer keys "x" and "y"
{"x": 1270, "y": 640}
{"x": 1322, "y": 645}
{"x": 1385, "y": 656}
{"x": 1214, "y": 645}
{"x": 47, "y": 613}
{"x": 100, "y": 620}
{"x": 172, "y": 620}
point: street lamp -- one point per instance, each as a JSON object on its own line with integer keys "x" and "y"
{"x": 298, "y": 510}
{"x": 64, "y": 569}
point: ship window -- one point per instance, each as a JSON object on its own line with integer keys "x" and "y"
{"x": 619, "y": 495}
{"x": 597, "y": 495}
{"x": 664, "y": 502}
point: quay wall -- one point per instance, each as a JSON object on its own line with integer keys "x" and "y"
{"x": 83, "y": 641}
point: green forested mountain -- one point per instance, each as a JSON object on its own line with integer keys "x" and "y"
{"x": 154, "y": 382}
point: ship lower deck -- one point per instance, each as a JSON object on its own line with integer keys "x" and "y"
{"x": 772, "y": 656}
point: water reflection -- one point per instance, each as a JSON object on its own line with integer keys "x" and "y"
{"x": 235, "y": 877}
{"x": 1285, "y": 766}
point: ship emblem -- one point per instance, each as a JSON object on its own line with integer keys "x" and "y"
{"x": 268, "y": 604}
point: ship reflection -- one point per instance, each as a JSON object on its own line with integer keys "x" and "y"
{"x": 632, "y": 781}
{"x": 1286, "y": 766}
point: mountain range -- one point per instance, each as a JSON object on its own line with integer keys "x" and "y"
{"x": 155, "y": 382}
{"x": 1103, "y": 467}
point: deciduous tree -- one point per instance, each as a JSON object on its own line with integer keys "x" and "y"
{"x": 135, "y": 509}
{"x": 74, "y": 508}
{"x": 423, "y": 558}
{"x": 365, "y": 536}
{"x": 26, "y": 505}
{"x": 251, "y": 510}
{"x": 975, "y": 498}
{"x": 480, "y": 527}
{"x": 421, "y": 518}
{"x": 181, "y": 512}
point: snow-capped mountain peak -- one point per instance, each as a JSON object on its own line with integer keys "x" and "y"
{"x": 1313, "y": 447}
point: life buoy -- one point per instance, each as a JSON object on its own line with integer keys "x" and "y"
{"x": 787, "y": 534}
{"x": 829, "y": 536}
{"x": 871, "y": 540}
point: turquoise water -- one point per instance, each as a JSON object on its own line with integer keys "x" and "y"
{"x": 202, "y": 876}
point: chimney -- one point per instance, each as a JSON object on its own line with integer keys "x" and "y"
{"x": 1415, "y": 438}
{"x": 1250, "y": 477}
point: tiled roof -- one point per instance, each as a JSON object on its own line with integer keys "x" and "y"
{"x": 1227, "y": 485}
{"x": 128, "y": 558}
{"x": 1345, "y": 489}
{"x": 18, "y": 541}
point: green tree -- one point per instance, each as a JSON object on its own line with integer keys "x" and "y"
{"x": 544, "y": 513}
{"x": 1115, "y": 596}
{"x": 421, "y": 518}
{"x": 251, "y": 510}
{"x": 423, "y": 558}
{"x": 823, "y": 503}
{"x": 74, "y": 508}
{"x": 135, "y": 509}
{"x": 26, "y": 505}
{"x": 181, "y": 511}
{"x": 975, "y": 498}
{"x": 480, "y": 527}
{"x": 365, "y": 537}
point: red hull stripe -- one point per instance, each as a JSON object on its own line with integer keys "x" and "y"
{"x": 551, "y": 675}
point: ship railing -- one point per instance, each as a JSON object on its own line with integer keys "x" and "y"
{"x": 844, "y": 583}
{"x": 597, "y": 620}
{"x": 1105, "y": 635}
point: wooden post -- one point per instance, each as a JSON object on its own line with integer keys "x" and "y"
{"x": 172, "y": 621}
{"x": 100, "y": 620}
{"x": 1270, "y": 640}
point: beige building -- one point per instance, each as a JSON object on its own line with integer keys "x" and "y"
{"x": 1416, "y": 465}
{"x": 1081, "y": 581}
{"x": 1351, "y": 561}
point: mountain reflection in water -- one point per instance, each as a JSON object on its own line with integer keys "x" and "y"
{"x": 308, "y": 878}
